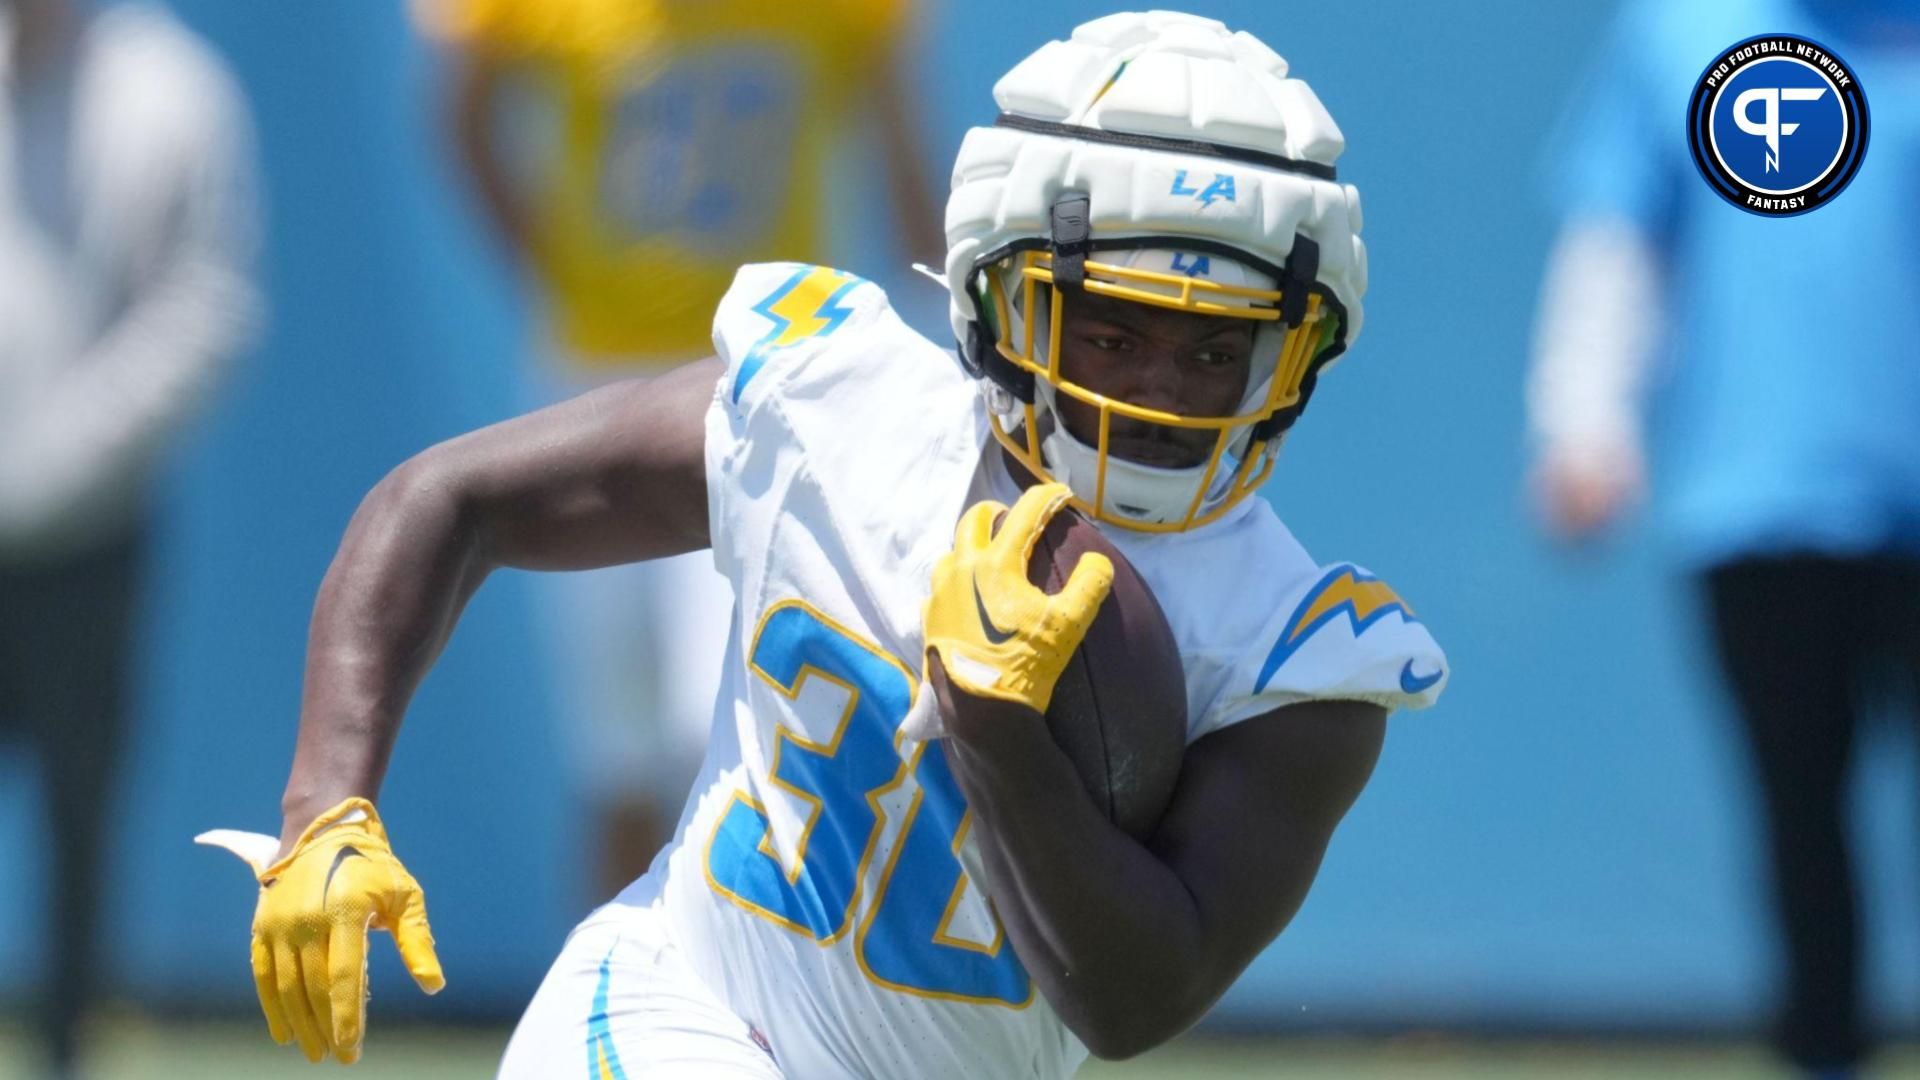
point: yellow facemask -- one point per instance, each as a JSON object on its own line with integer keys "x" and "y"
{"x": 1244, "y": 446}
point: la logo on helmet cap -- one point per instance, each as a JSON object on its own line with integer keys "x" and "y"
{"x": 1221, "y": 188}
{"x": 1778, "y": 125}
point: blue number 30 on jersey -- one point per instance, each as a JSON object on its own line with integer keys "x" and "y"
{"x": 902, "y": 940}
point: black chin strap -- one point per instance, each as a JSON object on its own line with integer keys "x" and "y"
{"x": 980, "y": 356}
{"x": 1296, "y": 284}
{"x": 1071, "y": 235}
{"x": 1303, "y": 268}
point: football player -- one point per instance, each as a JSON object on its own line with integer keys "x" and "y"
{"x": 886, "y": 868}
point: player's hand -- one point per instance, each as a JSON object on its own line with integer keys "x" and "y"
{"x": 310, "y": 927}
{"x": 997, "y": 634}
{"x": 1582, "y": 491}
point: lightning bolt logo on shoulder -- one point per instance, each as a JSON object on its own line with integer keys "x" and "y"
{"x": 1343, "y": 591}
{"x": 807, "y": 305}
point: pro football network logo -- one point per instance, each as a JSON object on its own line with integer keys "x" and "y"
{"x": 1778, "y": 125}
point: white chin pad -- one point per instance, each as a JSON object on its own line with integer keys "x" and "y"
{"x": 1141, "y": 492}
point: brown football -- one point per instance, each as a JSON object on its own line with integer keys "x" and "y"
{"x": 1119, "y": 710}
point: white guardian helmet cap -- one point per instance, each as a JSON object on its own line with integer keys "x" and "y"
{"x": 1161, "y": 159}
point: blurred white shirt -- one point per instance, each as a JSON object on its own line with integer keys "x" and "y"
{"x": 127, "y": 222}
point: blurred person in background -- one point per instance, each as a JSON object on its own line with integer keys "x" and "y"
{"x": 1788, "y": 426}
{"x": 125, "y": 229}
{"x": 631, "y": 154}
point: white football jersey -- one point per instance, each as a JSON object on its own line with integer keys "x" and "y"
{"x": 823, "y": 880}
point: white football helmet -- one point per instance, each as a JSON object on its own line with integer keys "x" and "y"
{"x": 1161, "y": 159}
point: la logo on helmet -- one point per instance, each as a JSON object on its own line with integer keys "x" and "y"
{"x": 1221, "y": 188}
{"x": 1192, "y": 266}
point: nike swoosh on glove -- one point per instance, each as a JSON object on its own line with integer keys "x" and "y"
{"x": 310, "y": 926}
{"x": 998, "y": 634}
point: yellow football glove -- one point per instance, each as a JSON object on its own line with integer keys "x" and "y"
{"x": 310, "y": 926}
{"x": 997, "y": 633}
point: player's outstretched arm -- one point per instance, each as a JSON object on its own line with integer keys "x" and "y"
{"x": 614, "y": 476}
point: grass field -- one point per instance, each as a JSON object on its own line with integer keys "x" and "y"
{"x": 131, "y": 1048}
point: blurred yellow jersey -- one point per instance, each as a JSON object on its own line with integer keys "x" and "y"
{"x": 683, "y": 138}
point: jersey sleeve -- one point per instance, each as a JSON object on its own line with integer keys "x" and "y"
{"x": 777, "y": 316}
{"x": 1342, "y": 635}
{"x": 774, "y": 331}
